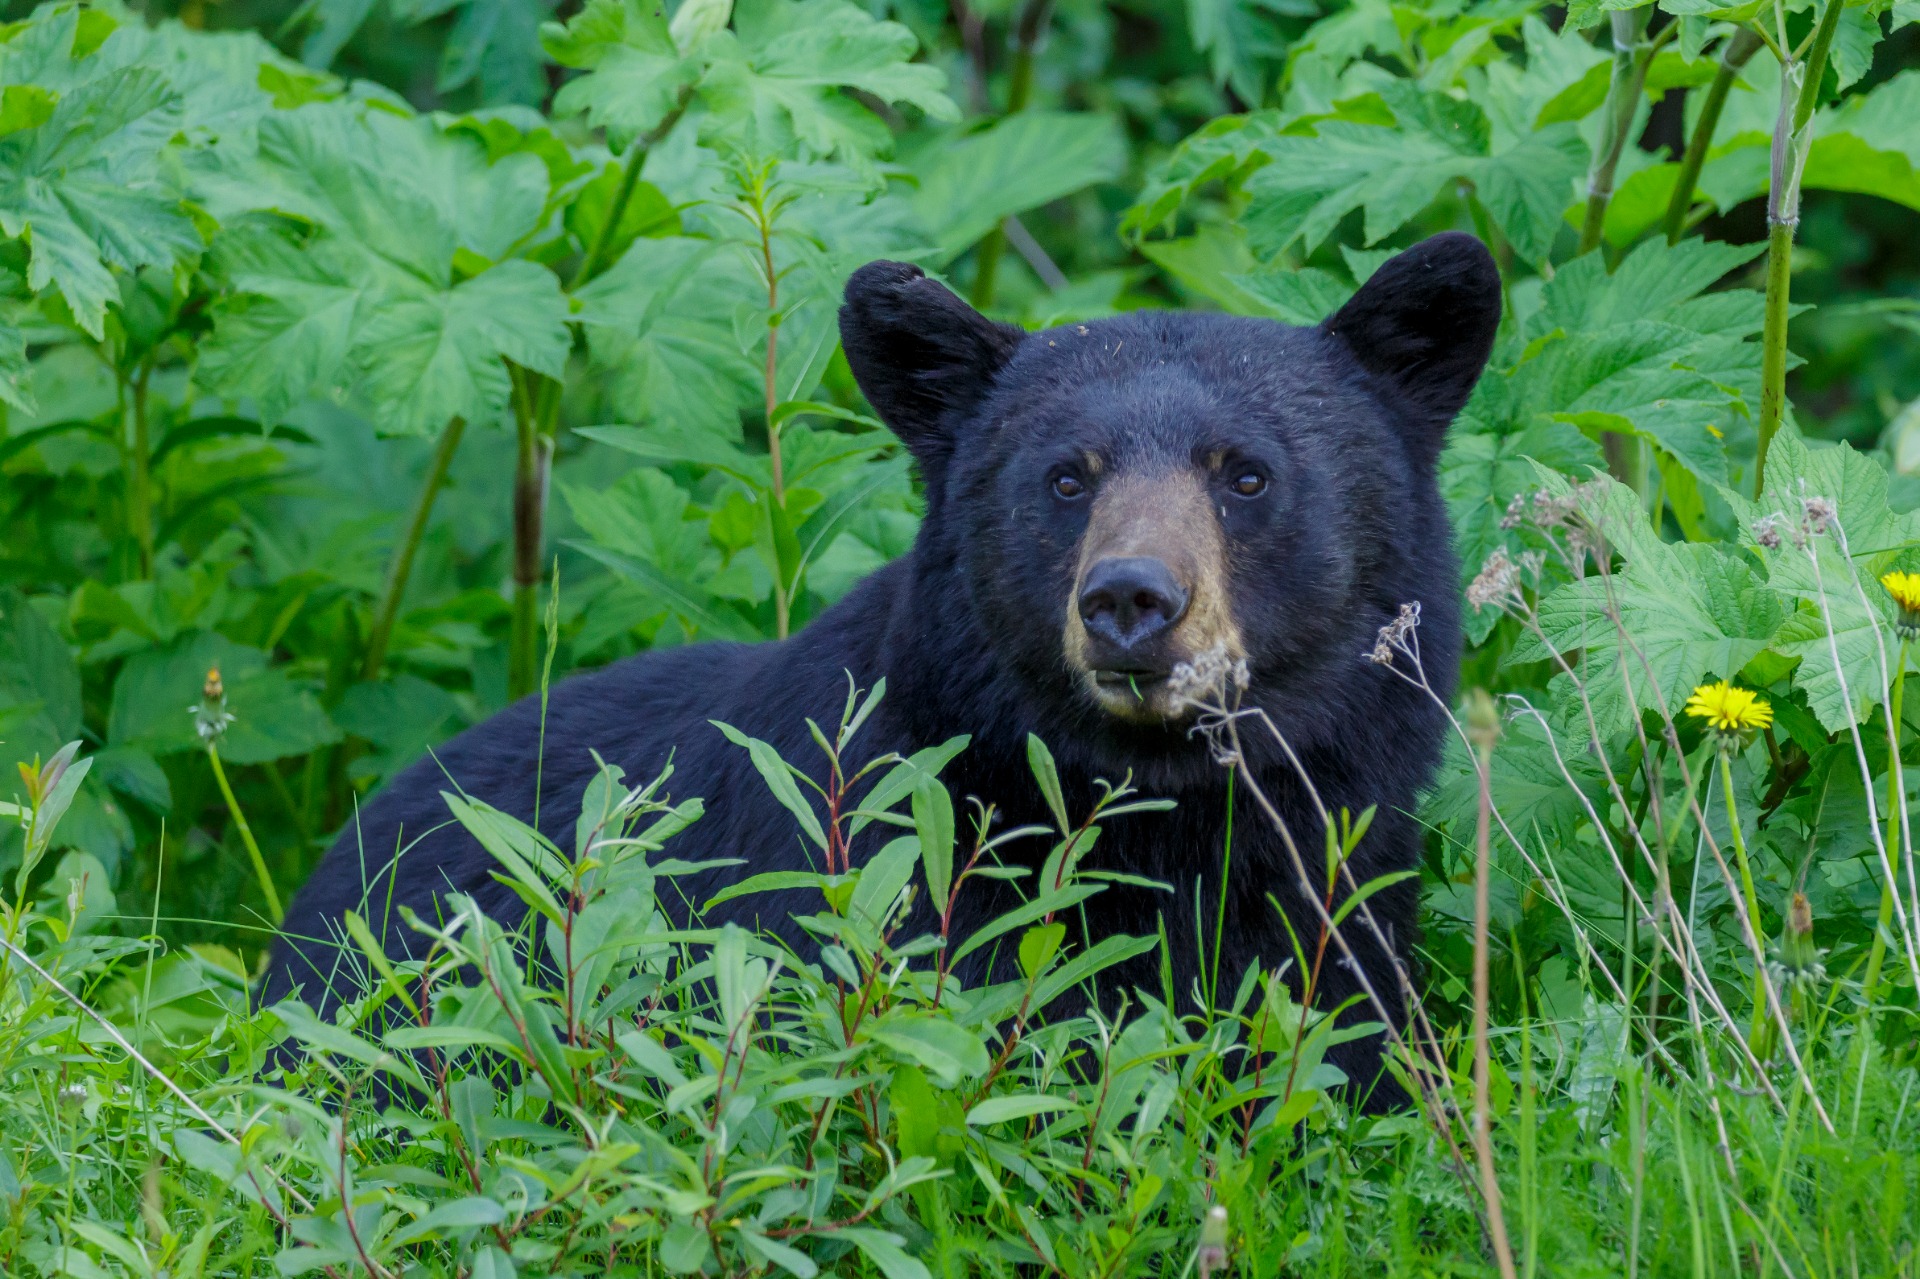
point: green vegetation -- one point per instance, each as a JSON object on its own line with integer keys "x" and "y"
{"x": 306, "y": 314}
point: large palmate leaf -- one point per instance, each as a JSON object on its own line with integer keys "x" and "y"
{"x": 775, "y": 81}
{"x": 84, "y": 185}
{"x": 1842, "y": 607}
{"x": 1644, "y": 351}
{"x": 1027, "y": 160}
{"x": 635, "y": 74}
{"x": 1389, "y": 153}
{"x": 366, "y": 296}
{"x": 662, "y": 322}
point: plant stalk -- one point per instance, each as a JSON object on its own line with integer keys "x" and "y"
{"x": 140, "y": 472}
{"x": 532, "y": 461}
{"x": 1738, "y": 51}
{"x": 1483, "y": 727}
{"x": 1631, "y": 56}
{"x": 267, "y": 889}
{"x": 993, "y": 245}
{"x": 1877, "y": 955}
{"x": 400, "y": 567}
{"x": 1752, "y": 898}
{"x": 1792, "y": 138}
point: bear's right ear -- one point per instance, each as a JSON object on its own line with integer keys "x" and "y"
{"x": 920, "y": 353}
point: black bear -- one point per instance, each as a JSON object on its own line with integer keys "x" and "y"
{"x": 1103, "y": 501}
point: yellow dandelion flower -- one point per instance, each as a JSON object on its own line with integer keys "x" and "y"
{"x": 1729, "y": 710}
{"x": 1905, "y": 589}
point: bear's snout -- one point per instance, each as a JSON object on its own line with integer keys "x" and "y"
{"x": 1127, "y": 604}
{"x": 1152, "y": 591}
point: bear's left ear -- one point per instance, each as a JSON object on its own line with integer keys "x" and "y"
{"x": 921, "y": 355}
{"x": 1425, "y": 322}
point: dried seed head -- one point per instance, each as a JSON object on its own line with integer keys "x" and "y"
{"x": 1396, "y": 636}
{"x": 1766, "y": 531}
{"x": 1210, "y": 679}
{"x": 1498, "y": 582}
{"x": 1819, "y": 513}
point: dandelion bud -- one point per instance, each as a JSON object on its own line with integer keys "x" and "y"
{"x": 1483, "y": 720}
{"x": 1796, "y": 965}
{"x": 1213, "y": 1241}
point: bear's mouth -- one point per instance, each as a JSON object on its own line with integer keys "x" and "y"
{"x": 1141, "y": 695}
{"x": 1124, "y": 681}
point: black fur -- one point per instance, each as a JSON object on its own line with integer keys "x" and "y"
{"x": 1345, "y": 419}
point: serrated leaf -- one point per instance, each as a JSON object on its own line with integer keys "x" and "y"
{"x": 1026, "y": 160}
{"x": 1394, "y": 165}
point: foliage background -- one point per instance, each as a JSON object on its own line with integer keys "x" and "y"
{"x": 332, "y": 336}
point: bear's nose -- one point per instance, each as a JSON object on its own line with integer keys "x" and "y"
{"x": 1128, "y": 601}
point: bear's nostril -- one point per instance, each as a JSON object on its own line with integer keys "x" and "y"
{"x": 1129, "y": 600}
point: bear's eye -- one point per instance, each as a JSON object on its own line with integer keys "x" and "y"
{"x": 1068, "y": 486}
{"x": 1250, "y": 484}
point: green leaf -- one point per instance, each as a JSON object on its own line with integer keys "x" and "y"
{"x": 933, "y": 823}
{"x": 775, "y": 81}
{"x": 661, "y": 323}
{"x": 1047, "y": 775}
{"x": 1840, "y": 593}
{"x": 85, "y": 188}
{"x": 945, "y": 1049}
{"x": 635, "y": 75}
{"x": 1026, "y": 160}
{"x": 1392, "y": 170}
{"x": 1691, "y": 612}
{"x": 1038, "y": 946}
{"x": 431, "y": 356}
{"x": 778, "y": 777}
{"x": 273, "y": 716}
{"x": 1000, "y": 1110}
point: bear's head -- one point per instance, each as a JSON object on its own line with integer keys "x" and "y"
{"x": 1120, "y": 496}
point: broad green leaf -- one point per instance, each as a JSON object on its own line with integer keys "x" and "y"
{"x": 635, "y": 75}
{"x": 427, "y": 356}
{"x": 1842, "y": 606}
{"x": 775, "y": 80}
{"x": 947, "y": 1050}
{"x": 1026, "y": 160}
{"x": 661, "y": 321}
{"x": 1691, "y": 612}
{"x": 273, "y": 716}
{"x": 1389, "y": 156}
{"x": 86, "y": 190}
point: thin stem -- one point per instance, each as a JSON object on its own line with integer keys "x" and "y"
{"x": 1484, "y": 728}
{"x": 1799, "y": 94}
{"x": 1746, "y": 886}
{"x": 400, "y": 568}
{"x": 599, "y": 256}
{"x": 271, "y": 893}
{"x": 1876, "y": 957}
{"x": 140, "y": 474}
{"x": 1220, "y": 913}
{"x": 1734, "y": 57}
{"x": 993, "y": 246}
{"x": 1631, "y": 56}
{"x": 532, "y": 461}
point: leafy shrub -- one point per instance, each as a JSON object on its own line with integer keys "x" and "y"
{"x": 290, "y": 363}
